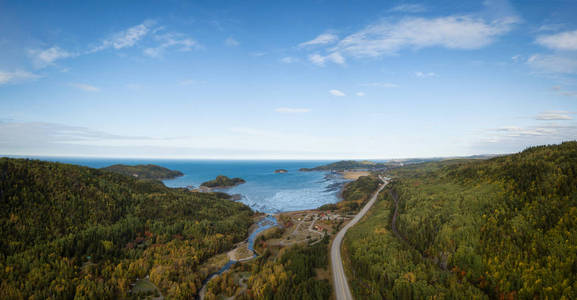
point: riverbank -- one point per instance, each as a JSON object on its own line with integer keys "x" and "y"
{"x": 244, "y": 251}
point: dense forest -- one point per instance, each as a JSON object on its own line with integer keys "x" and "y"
{"x": 144, "y": 171}
{"x": 222, "y": 181}
{"x": 295, "y": 272}
{"x": 76, "y": 232}
{"x": 499, "y": 228}
{"x": 355, "y": 194}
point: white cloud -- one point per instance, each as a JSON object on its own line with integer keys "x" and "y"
{"x": 323, "y": 39}
{"x": 554, "y": 63}
{"x": 123, "y": 39}
{"x": 337, "y": 93}
{"x": 388, "y": 37}
{"x": 291, "y": 110}
{"x": 561, "y": 41}
{"x": 16, "y": 76}
{"x": 550, "y": 27}
{"x": 387, "y": 85}
{"x": 320, "y": 60}
{"x": 425, "y": 74}
{"x": 514, "y": 131}
{"x": 453, "y": 32}
{"x": 47, "y": 57}
{"x": 289, "y": 60}
{"x": 554, "y": 116}
{"x": 409, "y": 8}
{"x": 231, "y": 42}
{"x": 126, "y": 38}
{"x": 170, "y": 40}
{"x": 517, "y": 58}
{"x": 85, "y": 87}
{"x": 360, "y": 94}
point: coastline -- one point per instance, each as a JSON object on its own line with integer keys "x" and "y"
{"x": 297, "y": 227}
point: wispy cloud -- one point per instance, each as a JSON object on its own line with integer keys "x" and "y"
{"x": 550, "y": 27}
{"x": 554, "y": 63}
{"x": 85, "y": 87}
{"x": 390, "y": 36}
{"x": 321, "y": 60}
{"x": 289, "y": 60}
{"x": 425, "y": 74}
{"x": 360, "y": 94}
{"x": 47, "y": 57}
{"x": 231, "y": 42}
{"x": 123, "y": 39}
{"x": 337, "y": 93}
{"x": 554, "y": 116}
{"x": 563, "y": 92}
{"x": 171, "y": 40}
{"x": 454, "y": 32}
{"x": 258, "y": 54}
{"x": 549, "y": 130}
{"x": 16, "y": 77}
{"x": 42, "y": 132}
{"x": 561, "y": 41}
{"x": 291, "y": 110}
{"x": 126, "y": 38}
{"x": 409, "y": 8}
{"x": 323, "y": 39}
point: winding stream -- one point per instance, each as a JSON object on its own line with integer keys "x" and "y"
{"x": 267, "y": 222}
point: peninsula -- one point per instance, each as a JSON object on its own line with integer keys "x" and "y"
{"x": 144, "y": 171}
{"x": 348, "y": 165}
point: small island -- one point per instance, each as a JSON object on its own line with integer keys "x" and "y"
{"x": 280, "y": 171}
{"x": 144, "y": 171}
{"x": 222, "y": 181}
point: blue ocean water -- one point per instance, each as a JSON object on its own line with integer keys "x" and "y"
{"x": 263, "y": 191}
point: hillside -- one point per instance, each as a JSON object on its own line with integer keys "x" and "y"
{"x": 347, "y": 165}
{"x": 223, "y": 182}
{"x": 71, "y": 231}
{"x": 144, "y": 171}
{"x": 499, "y": 228}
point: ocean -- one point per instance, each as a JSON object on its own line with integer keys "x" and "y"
{"x": 264, "y": 190}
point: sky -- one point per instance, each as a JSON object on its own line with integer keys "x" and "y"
{"x": 286, "y": 79}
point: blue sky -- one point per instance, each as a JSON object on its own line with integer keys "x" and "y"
{"x": 294, "y": 80}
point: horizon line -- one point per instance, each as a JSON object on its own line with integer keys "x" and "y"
{"x": 36, "y": 156}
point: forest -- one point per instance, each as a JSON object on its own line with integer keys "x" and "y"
{"x": 295, "y": 272}
{"x": 76, "y": 232}
{"x": 144, "y": 171}
{"x": 222, "y": 181}
{"x": 502, "y": 228}
{"x": 355, "y": 194}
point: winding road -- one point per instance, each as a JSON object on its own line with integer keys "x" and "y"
{"x": 340, "y": 283}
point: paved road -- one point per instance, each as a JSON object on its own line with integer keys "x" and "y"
{"x": 340, "y": 283}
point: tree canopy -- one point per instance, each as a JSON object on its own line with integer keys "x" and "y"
{"x": 76, "y": 232}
